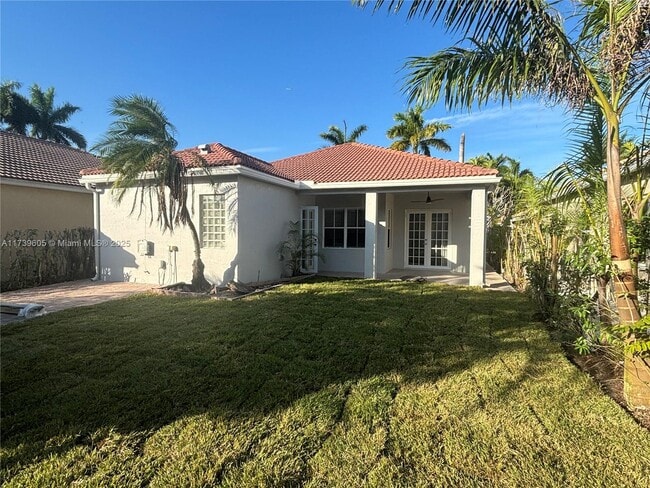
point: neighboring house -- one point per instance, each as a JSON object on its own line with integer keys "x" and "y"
{"x": 39, "y": 185}
{"x": 367, "y": 204}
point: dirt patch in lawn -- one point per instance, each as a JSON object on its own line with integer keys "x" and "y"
{"x": 232, "y": 291}
{"x": 608, "y": 373}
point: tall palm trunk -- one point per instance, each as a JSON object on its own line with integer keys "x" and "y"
{"x": 199, "y": 283}
{"x": 625, "y": 291}
{"x": 636, "y": 376}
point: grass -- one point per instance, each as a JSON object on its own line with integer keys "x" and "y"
{"x": 334, "y": 383}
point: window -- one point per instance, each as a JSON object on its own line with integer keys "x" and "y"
{"x": 344, "y": 227}
{"x": 213, "y": 220}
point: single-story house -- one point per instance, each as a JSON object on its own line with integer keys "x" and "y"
{"x": 373, "y": 209}
{"x": 39, "y": 185}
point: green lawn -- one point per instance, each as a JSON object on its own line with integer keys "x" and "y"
{"x": 336, "y": 383}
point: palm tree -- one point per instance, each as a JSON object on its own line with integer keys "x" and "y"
{"x": 521, "y": 48}
{"x": 16, "y": 113}
{"x": 509, "y": 168}
{"x": 50, "y": 119}
{"x": 142, "y": 139}
{"x": 412, "y": 132}
{"x": 336, "y": 136}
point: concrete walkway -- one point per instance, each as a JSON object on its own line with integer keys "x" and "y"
{"x": 71, "y": 294}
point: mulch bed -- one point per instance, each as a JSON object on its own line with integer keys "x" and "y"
{"x": 608, "y": 373}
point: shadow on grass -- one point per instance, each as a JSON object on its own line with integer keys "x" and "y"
{"x": 135, "y": 365}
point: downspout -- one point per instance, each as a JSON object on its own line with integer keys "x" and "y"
{"x": 96, "y": 228}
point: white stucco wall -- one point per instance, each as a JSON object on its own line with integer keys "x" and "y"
{"x": 264, "y": 214}
{"x": 121, "y": 230}
{"x": 258, "y": 215}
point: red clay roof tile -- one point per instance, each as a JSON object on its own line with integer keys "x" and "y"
{"x": 355, "y": 161}
{"x": 218, "y": 155}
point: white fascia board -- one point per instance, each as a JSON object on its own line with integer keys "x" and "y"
{"x": 467, "y": 181}
{"x": 43, "y": 185}
{"x": 201, "y": 172}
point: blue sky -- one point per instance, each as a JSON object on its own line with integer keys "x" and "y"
{"x": 262, "y": 77}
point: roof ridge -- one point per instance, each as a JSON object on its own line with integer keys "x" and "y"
{"x": 423, "y": 157}
{"x": 411, "y": 154}
{"x": 359, "y": 161}
{"x": 45, "y": 141}
{"x": 238, "y": 153}
{"x": 319, "y": 150}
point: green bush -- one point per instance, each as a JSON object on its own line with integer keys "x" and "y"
{"x": 31, "y": 260}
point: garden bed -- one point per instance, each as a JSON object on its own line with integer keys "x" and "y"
{"x": 608, "y": 373}
{"x": 231, "y": 291}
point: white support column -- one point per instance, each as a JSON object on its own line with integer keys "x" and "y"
{"x": 477, "y": 238}
{"x": 370, "y": 262}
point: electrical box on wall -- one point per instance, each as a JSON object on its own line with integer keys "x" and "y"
{"x": 145, "y": 248}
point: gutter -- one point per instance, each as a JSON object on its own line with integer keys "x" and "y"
{"x": 96, "y": 228}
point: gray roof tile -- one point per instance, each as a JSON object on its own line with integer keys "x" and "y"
{"x": 31, "y": 159}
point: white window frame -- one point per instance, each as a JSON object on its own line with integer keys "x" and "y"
{"x": 213, "y": 243}
{"x": 309, "y": 225}
{"x": 345, "y": 227}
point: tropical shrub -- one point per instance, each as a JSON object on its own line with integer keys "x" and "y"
{"x": 31, "y": 258}
{"x": 296, "y": 247}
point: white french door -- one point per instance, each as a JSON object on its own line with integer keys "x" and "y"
{"x": 309, "y": 233}
{"x": 427, "y": 238}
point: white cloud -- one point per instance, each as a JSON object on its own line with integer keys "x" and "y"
{"x": 463, "y": 120}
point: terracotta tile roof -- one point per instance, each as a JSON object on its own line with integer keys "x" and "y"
{"x": 218, "y": 155}
{"x": 354, "y": 161}
{"x": 221, "y": 155}
{"x": 31, "y": 159}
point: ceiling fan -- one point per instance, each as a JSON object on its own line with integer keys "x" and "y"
{"x": 428, "y": 201}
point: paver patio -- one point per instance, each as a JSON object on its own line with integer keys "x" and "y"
{"x": 80, "y": 293}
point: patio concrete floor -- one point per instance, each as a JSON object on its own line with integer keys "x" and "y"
{"x": 493, "y": 280}
{"x": 68, "y": 295}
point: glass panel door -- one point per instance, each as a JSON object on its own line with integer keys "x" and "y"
{"x": 427, "y": 239}
{"x": 439, "y": 239}
{"x": 416, "y": 238}
{"x": 308, "y": 230}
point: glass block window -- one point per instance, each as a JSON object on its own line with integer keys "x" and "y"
{"x": 213, "y": 221}
{"x": 344, "y": 227}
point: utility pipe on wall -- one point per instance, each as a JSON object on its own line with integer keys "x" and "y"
{"x": 96, "y": 228}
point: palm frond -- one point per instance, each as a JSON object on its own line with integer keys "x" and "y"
{"x": 438, "y": 143}
{"x": 356, "y": 133}
{"x": 70, "y": 135}
{"x": 582, "y": 173}
{"x": 334, "y": 135}
{"x": 412, "y": 132}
